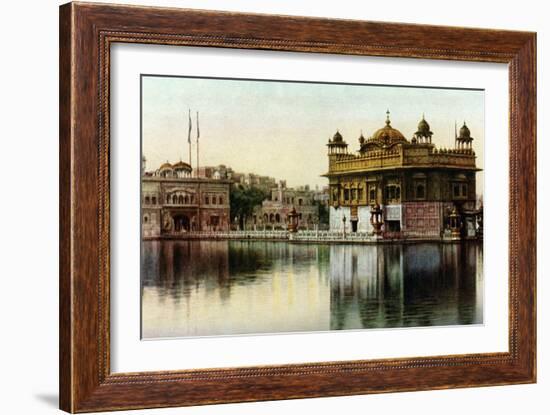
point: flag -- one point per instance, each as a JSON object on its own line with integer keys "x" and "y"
{"x": 189, "y": 133}
{"x": 198, "y": 130}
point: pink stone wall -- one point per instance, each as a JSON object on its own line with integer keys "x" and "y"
{"x": 422, "y": 218}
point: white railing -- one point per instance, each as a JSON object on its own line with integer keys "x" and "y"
{"x": 267, "y": 234}
{"x": 331, "y": 236}
{"x": 305, "y": 235}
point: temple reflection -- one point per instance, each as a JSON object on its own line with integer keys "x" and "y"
{"x": 405, "y": 285}
{"x": 195, "y": 288}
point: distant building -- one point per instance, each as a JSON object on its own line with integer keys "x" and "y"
{"x": 322, "y": 196}
{"x": 215, "y": 172}
{"x": 221, "y": 171}
{"x": 273, "y": 213}
{"x": 174, "y": 203}
{"x": 422, "y": 190}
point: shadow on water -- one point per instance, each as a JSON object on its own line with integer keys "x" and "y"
{"x": 233, "y": 287}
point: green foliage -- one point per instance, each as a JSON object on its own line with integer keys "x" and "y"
{"x": 243, "y": 200}
{"x": 322, "y": 210}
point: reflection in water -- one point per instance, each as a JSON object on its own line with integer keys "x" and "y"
{"x": 198, "y": 288}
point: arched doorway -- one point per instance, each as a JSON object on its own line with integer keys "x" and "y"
{"x": 181, "y": 223}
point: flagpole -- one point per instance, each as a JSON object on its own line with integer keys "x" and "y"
{"x": 199, "y": 190}
{"x": 456, "y": 136}
{"x": 189, "y": 137}
{"x": 198, "y": 135}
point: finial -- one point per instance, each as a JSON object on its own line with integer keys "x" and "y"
{"x": 423, "y": 117}
{"x": 388, "y": 117}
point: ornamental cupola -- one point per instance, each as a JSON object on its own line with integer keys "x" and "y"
{"x": 464, "y": 139}
{"x": 337, "y": 145}
{"x": 423, "y": 133}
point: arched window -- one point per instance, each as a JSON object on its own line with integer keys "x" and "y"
{"x": 147, "y": 200}
{"x": 265, "y": 218}
{"x": 213, "y": 200}
{"x": 154, "y": 200}
{"x": 180, "y": 199}
{"x": 277, "y": 218}
{"x": 300, "y": 202}
{"x": 220, "y": 200}
{"x": 271, "y": 218}
{"x": 145, "y": 219}
{"x": 167, "y": 198}
{"x": 393, "y": 192}
{"x": 174, "y": 199}
{"x": 186, "y": 199}
{"x": 334, "y": 194}
{"x": 206, "y": 200}
{"x": 456, "y": 190}
{"x": 346, "y": 194}
{"x": 420, "y": 191}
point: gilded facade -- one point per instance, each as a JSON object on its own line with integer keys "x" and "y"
{"x": 423, "y": 191}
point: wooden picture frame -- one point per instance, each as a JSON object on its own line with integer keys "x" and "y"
{"x": 86, "y": 33}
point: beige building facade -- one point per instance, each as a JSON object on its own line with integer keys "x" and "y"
{"x": 175, "y": 203}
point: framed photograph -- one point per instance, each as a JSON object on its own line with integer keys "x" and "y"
{"x": 259, "y": 207}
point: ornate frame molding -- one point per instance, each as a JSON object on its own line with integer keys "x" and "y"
{"x": 86, "y": 33}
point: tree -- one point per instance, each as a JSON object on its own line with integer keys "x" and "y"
{"x": 243, "y": 200}
{"x": 322, "y": 212}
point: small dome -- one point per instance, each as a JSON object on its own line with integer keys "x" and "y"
{"x": 424, "y": 128}
{"x": 465, "y": 132}
{"x": 165, "y": 166}
{"x": 337, "y": 138}
{"x": 180, "y": 165}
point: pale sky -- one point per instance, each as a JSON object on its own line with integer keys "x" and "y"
{"x": 281, "y": 129}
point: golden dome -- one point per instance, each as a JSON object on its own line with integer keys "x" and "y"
{"x": 181, "y": 165}
{"x": 388, "y": 134}
{"x": 165, "y": 166}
